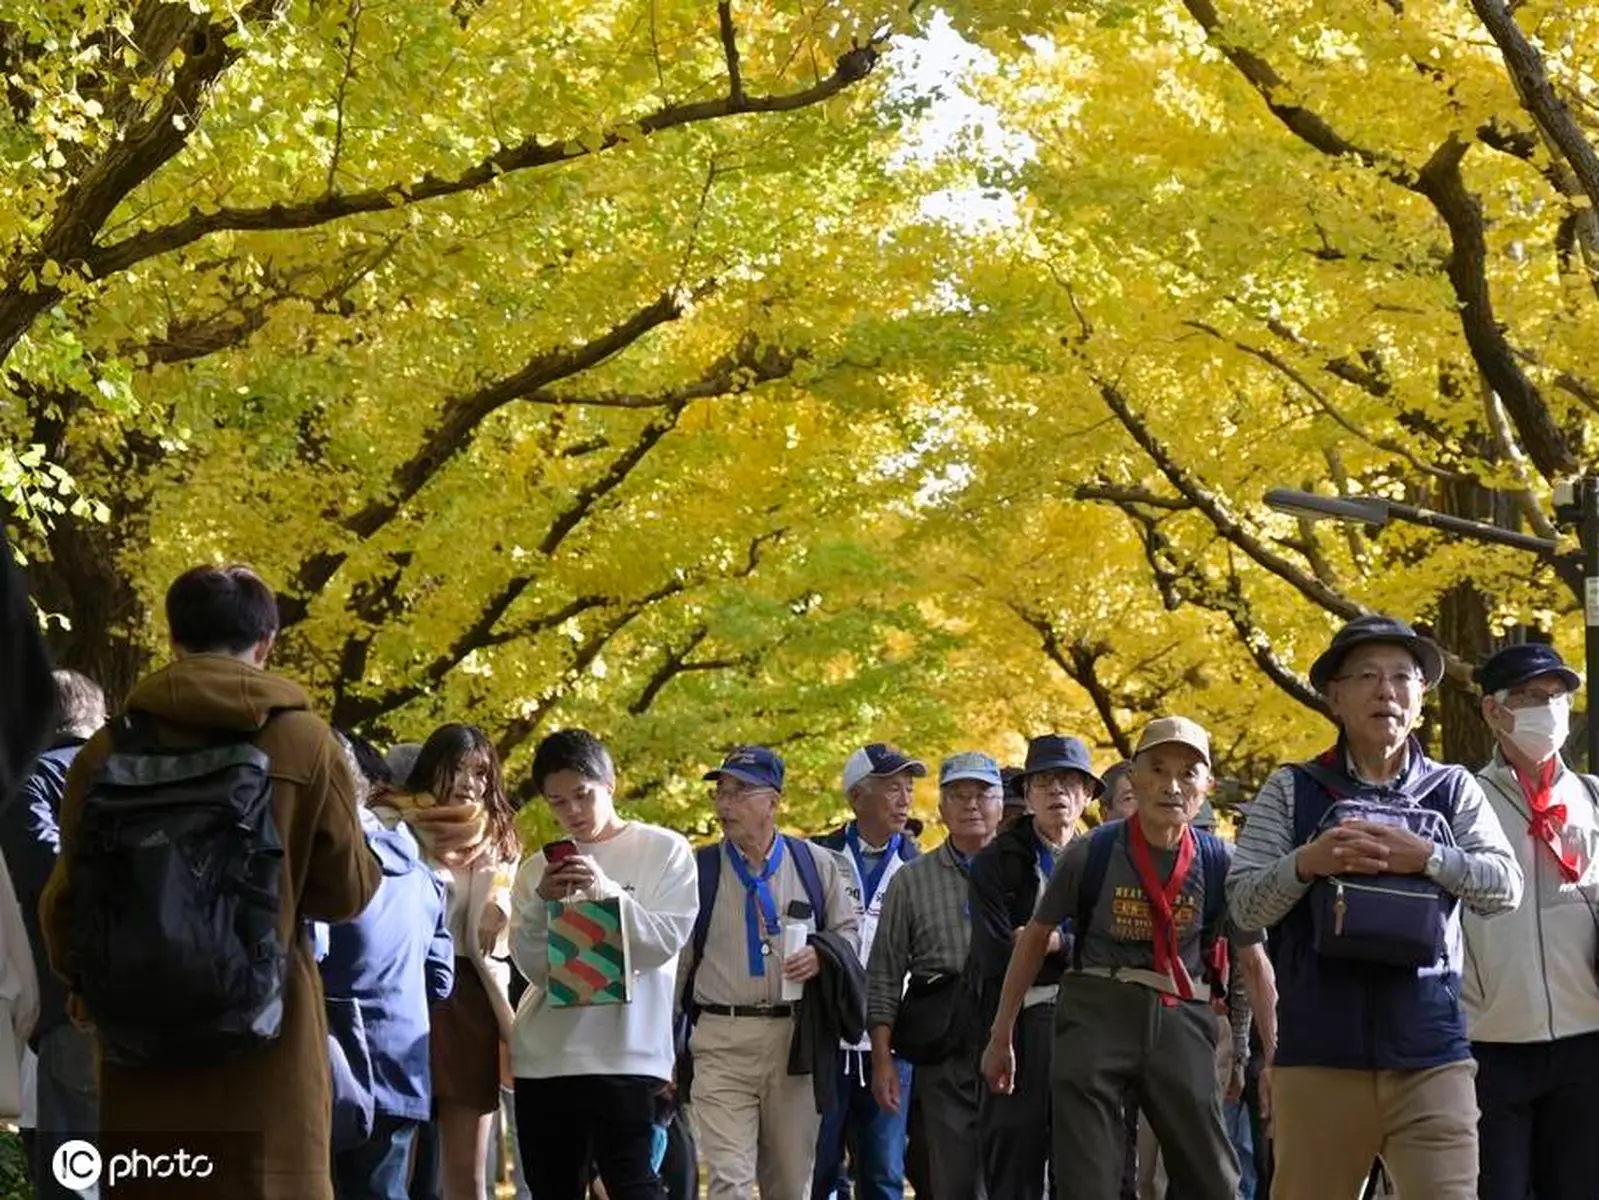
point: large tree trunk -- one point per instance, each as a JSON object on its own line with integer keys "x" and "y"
{"x": 1463, "y": 627}
{"x": 81, "y": 579}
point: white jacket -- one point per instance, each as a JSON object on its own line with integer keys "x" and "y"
{"x": 1530, "y": 974}
{"x": 19, "y": 997}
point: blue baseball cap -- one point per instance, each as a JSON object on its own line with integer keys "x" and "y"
{"x": 970, "y": 765}
{"x": 1515, "y": 665}
{"x": 1052, "y": 752}
{"x": 755, "y": 765}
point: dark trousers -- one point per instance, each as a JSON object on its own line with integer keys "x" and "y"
{"x": 1013, "y": 1132}
{"x": 1130, "y": 1177}
{"x": 1111, "y": 1036}
{"x": 918, "y": 1168}
{"x": 1536, "y": 1134}
{"x": 68, "y": 1104}
{"x": 377, "y": 1168}
{"x": 570, "y": 1125}
{"x": 427, "y": 1167}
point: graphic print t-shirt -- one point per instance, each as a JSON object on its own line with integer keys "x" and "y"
{"x": 1122, "y": 934}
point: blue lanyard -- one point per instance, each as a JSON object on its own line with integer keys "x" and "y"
{"x": 870, "y": 883}
{"x": 757, "y": 892}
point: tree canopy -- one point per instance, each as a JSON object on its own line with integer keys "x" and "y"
{"x": 658, "y": 368}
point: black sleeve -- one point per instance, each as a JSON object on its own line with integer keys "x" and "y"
{"x": 28, "y": 713}
{"x": 991, "y": 927}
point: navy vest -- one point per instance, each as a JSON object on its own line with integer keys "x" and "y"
{"x": 1338, "y": 1013}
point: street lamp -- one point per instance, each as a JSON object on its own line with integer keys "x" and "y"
{"x": 1576, "y": 505}
{"x": 1373, "y": 510}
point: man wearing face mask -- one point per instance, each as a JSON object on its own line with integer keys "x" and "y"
{"x": 1531, "y": 996}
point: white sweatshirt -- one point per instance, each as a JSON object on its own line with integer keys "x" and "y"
{"x": 652, "y": 871}
{"x": 1529, "y": 974}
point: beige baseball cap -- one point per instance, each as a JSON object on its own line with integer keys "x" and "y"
{"x": 1181, "y": 730}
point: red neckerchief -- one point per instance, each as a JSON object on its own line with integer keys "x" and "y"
{"x": 1547, "y": 820}
{"x": 1162, "y": 902}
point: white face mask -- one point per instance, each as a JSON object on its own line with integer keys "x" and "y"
{"x": 1540, "y": 732}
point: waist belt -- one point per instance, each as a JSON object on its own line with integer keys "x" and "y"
{"x": 748, "y": 1010}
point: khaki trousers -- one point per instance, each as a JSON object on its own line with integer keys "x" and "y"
{"x": 1330, "y": 1123}
{"x": 754, "y": 1121}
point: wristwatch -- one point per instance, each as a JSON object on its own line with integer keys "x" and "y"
{"x": 1435, "y": 863}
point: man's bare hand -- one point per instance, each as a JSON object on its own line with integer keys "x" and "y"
{"x": 1344, "y": 850}
{"x": 1407, "y": 852}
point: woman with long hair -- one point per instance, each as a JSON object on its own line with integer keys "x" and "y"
{"x": 455, "y": 802}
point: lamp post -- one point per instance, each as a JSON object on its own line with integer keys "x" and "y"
{"x": 1576, "y": 505}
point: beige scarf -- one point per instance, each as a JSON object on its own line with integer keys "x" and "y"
{"x": 453, "y": 835}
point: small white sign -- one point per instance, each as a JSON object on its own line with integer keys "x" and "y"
{"x": 1592, "y": 605}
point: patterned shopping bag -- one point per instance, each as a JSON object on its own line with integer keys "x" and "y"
{"x": 589, "y": 958}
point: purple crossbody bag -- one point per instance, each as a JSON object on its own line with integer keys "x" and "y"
{"x": 1393, "y": 920}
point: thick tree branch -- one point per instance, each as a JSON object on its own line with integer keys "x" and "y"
{"x": 1467, "y": 267}
{"x": 1526, "y": 68}
{"x": 1440, "y": 182}
{"x": 735, "y": 82}
{"x": 454, "y": 429}
{"x": 352, "y": 711}
{"x": 852, "y": 66}
{"x": 1078, "y": 662}
{"x": 129, "y": 159}
{"x": 1215, "y": 509}
{"x": 1183, "y": 582}
{"x": 1111, "y": 494}
{"x": 1320, "y": 398}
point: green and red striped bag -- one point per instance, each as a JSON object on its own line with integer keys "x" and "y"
{"x": 588, "y": 954}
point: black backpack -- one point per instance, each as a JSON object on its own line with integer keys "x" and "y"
{"x": 176, "y": 892}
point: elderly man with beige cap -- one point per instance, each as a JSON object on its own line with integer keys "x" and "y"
{"x": 1145, "y": 897}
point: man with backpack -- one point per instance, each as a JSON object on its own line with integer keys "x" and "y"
{"x": 1360, "y": 861}
{"x": 761, "y": 893}
{"x": 200, "y": 830}
{"x": 879, "y": 781}
{"x": 1145, "y": 898}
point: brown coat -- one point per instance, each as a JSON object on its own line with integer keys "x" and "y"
{"x": 271, "y": 1108}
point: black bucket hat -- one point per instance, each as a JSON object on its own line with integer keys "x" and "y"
{"x": 1363, "y": 631}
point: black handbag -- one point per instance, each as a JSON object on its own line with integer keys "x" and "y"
{"x": 934, "y": 1019}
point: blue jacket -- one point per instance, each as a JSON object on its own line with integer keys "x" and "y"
{"x": 30, "y": 837}
{"x": 1341, "y": 1013}
{"x": 379, "y": 975}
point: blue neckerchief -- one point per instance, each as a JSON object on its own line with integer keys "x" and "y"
{"x": 757, "y": 892}
{"x": 1046, "y": 864}
{"x": 869, "y": 883}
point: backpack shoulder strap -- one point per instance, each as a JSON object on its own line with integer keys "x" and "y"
{"x": 708, "y": 863}
{"x": 804, "y": 856}
{"x": 1214, "y": 863}
{"x": 1100, "y": 845}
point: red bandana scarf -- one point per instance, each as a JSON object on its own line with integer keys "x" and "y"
{"x": 1163, "y": 902}
{"x": 1548, "y": 820}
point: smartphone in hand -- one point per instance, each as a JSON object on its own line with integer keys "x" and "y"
{"x": 556, "y": 853}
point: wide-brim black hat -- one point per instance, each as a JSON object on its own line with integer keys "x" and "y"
{"x": 1364, "y": 631}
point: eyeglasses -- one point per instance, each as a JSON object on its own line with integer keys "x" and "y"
{"x": 1535, "y": 699}
{"x": 1370, "y": 681}
{"x": 734, "y": 789}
